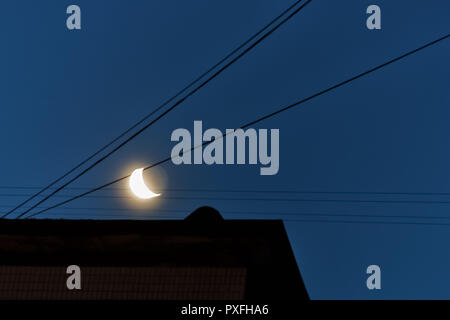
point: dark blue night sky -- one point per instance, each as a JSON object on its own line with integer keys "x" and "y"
{"x": 64, "y": 94}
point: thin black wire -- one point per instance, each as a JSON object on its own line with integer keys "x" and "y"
{"x": 257, "y": 199}
{"x": 154, "y": 111}
{"x": 99, "y": 212}
{"x": 212, "y": 190}
{"x": 165, "y": 217}
{"x": 368, "y": 222}
{"x": 261, "y": 119}
{"x": 192, "y": 92}
{"x": 95, "y": 212}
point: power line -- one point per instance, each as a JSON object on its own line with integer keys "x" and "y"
{"x": 340, "y": 84}
{"x": 368, "y": 222}
{"x": 213, "y": 190}
{"x": 273, "y": 199}
{"x": 192, "y": 92}
{"x": 254, "y": 36}
{"x": 165, "y": 217}
{"x": 100, "y": 212}
{"x": 163, "y": 213}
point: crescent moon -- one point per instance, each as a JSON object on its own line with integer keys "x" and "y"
{"x": 138, "y": 186}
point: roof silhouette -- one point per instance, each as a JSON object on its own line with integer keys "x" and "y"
{"x": 252, "y": 256}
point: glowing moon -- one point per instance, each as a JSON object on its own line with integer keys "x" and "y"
{"x": 138, "y": 186}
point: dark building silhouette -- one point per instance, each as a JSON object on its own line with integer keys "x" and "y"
{"x": 201, "y": 257}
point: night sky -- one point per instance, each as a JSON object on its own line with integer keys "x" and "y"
{"x": 362, "y": 168}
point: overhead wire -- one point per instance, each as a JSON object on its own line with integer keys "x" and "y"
{"x": 224, "y": 190}
{"x": 272, "y": 114}
{"x": 180, "y": 101}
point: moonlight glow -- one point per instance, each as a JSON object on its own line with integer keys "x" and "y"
{"x": 138, "y": 186}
